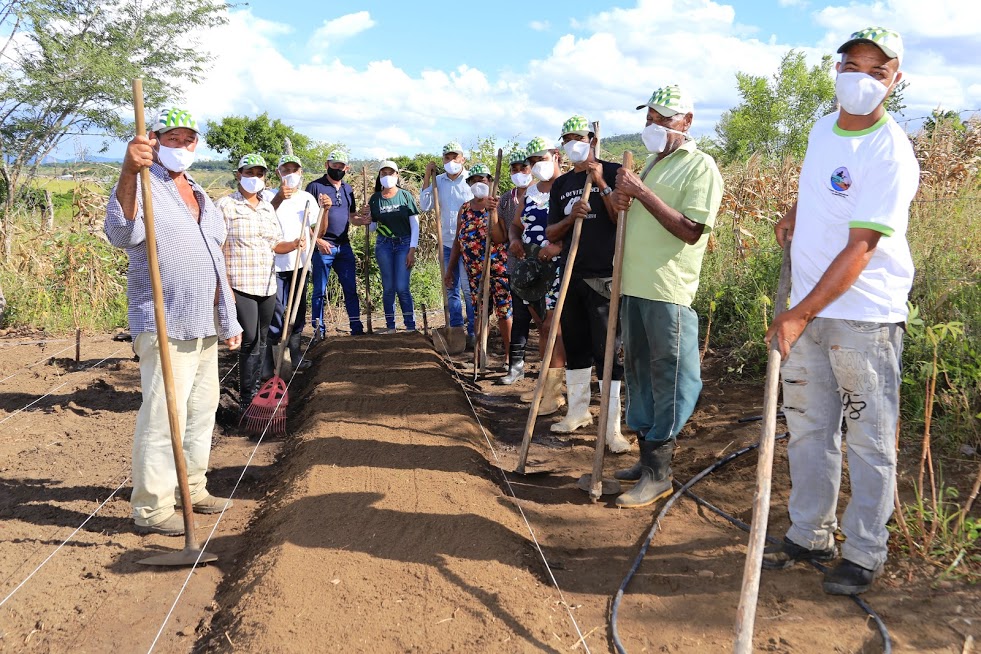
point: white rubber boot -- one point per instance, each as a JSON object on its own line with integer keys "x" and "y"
{"x": 614, "y": 438}
{"x": 577, "y": 415}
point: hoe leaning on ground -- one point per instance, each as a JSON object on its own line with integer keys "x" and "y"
{"x": 484, "y": 307}
{"x": 192, "y": 554}
{"x": 452, "y": 340}
{"x": 552, "y": 334}
{"x": 367, "y": 252}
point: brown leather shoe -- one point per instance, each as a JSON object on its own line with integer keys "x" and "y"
{"x": 212, "y": 504}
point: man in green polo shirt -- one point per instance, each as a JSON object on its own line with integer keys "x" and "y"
{"x": 671, "y": 210}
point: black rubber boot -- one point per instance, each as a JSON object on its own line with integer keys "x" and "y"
{"x": 655, "y": 475}
{"x": 296, "y": 351}
{"x": 629, "y": 474}
{"x": 516, "y": 365}
{"x": 268, "y": 360}
{"x": 250, "y": 368}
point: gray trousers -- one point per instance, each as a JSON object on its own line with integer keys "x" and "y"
{"x": 843, "y": 369}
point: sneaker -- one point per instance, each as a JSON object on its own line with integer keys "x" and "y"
{"x": 211, "y": 504}
{"x": 172, "y": 526}
{"x": 848, "y": 578}
{"x": 787, "y": 553}
{"x": 386, "y": 330}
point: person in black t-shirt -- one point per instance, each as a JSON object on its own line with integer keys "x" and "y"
{"x": 587, "y": 303}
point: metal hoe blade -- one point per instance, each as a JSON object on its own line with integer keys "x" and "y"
{"x": 185, "y": 557}
{"x": 610, "y": 486}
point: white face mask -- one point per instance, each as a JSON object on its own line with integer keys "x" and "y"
{"x": 543, "y": 170}
{"x": 292, "y": 180}
{"x": 453, "y": 167}
{"x": 389, "y": 181}
{"x": 480, "y": 190}
{"x": 577, "y": 151}
{"x": 655, "y": 137}
{"x": 176, "y": 160}
{"x": 252, "y": 184}
{"x": 521, "y": 180}
{"x": 860, "y": 94}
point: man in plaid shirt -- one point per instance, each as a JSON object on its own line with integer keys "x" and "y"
{"x": 199, "y": 308}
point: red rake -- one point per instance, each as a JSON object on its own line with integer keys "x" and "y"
{"x": 268, "y": 407}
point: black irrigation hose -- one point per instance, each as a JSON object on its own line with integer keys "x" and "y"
{"x": 685, "y": 490}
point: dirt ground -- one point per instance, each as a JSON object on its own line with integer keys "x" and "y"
{"x": 384, "y": 522}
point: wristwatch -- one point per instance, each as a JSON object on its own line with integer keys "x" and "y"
{"x": 607, "y": 191}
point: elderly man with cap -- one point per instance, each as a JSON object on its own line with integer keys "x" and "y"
{"x": 453, "y": 192}
{"x": 677, "y": 199}
{"x": 334, "y": 244}
{"x": 842, "y": 337}
{"x": 199, "y": 308}
{"x": 292, "y": 205}
{"x": 587, "y": 304}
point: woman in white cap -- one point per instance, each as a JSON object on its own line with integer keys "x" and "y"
{"x": 254, "y": 238}
{"x": 394, "y": 217}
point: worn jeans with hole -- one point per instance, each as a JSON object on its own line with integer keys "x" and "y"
{"x": 195, "y": 364}
{"x": 843, "y": 369}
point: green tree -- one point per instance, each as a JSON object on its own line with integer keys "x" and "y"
{"x": 940, "y": 118}
{"x": 66, "y": 69}
{"x": 776, "y": 115}
{"x": 240, "y": 135}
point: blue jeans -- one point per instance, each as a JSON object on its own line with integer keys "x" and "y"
{"x": 345, "y": 265}
{"x": 454, "y": 292}
{"x": 663, "y": 371}
{"x": 843, "y": 369}
{"x": 391, "y": 254}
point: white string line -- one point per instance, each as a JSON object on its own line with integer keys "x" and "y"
{"x": 65, "y": 542}
{"x": 97, "y": 363}
{"x": 12, "y": 345}
{"x": 41, "y": 360}
{"x": 238, "y": 481}
{"x": 517, "y": 504}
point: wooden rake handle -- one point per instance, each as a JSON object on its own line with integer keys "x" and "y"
{"x": 480, "y": 351}
{"x": 746, "y": 612}
{"x": 552, "y": 334}
{"x": 596, "y": 484}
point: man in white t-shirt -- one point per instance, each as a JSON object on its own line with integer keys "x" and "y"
{"x": 293, "y": 205}
{"x": 842, "y": 338}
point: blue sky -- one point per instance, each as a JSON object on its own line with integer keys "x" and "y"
{"x": 389, "y": 78}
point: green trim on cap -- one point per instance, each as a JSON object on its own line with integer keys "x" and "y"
{"x": 289, "y": 158}
{"x": 861, "y": 132}
{"x": 453, "y": 146}
{"x": 252, "y": 160}
{"x": 338, "y": 155}
{"x": 478, "y": 169}
{"x": 518, "y": 156}
{"x": 576, "y": 125}
{"x": 536, "y": 147}
{"x": 173, "y": 118}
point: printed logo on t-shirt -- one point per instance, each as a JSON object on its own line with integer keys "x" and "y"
{"x": 572, "y": 202}
{"x": 841, "y": 181}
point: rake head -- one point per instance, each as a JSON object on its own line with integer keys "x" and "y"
{"x": 268, "y": 408}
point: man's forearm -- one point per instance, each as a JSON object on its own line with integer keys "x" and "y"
{"x": 126, "y": 195}
{"x": 679, "y": 225}
{"x": 556, "y": 231}
{"x": 838, "y": 278}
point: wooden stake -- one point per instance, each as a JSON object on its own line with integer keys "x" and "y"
{"x": 367, "y": 251}
{"x": 78, "y": 346}
{"x": 483, "y": 317}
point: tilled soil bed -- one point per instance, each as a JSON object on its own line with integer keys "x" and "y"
{"x": 385, "y": 522}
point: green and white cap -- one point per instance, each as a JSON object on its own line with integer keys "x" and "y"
{"x": 576, "y": 125}
{"x": 669, "y": 100}
{"x": 478, "y": 169}
{"x": 252, "y": 160}
{"x": 453, "y": 146}
{"x": 890, "y": 42}
{"x": 538, "y": 147}
{"x": 340, "y": 156}
{"x": 289, "y": 158}
{"x": 518, "y": 156}
{"x": 173, "y": 118}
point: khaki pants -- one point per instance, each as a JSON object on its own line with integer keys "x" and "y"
{"x": 195, "y": 364}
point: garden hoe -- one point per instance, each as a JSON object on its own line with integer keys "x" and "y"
{"x": 550, "y": 343}
{"x": 452, "y": 340}
{"x": 269, "y": 404}
{"x": 608, "y": 486}
{"x": 746, "y": 612}
{"x": 484, "y": 306}
{"x": 367, "y": 254}
{"x": 192, "y": 554}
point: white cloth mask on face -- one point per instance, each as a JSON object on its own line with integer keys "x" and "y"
{"x": 389, "y": 181}
{"x": 292, "y": 180}
{"x": 521, "y": 180}
{"x": 543, "y": 170}
{"x": 859, "y": 94}
{"x": 176, "y": 160}
{"x": 252, "y": 184}
{"x": 655, "y": 137}
{"x": 480, "y": 190}
{"x": 452, "y": 167}
{"x": 577, "y": 151}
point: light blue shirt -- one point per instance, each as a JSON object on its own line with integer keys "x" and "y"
{"x": 453, "y": 193}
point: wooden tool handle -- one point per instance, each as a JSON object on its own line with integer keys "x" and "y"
{"x": 367, "y": 251}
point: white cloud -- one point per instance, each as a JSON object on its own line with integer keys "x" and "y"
{"x": 609, "y": 64}
{"x": 341, "y": 28}
{"x": 540, "y": 25}
{"x": 792, "y": 3}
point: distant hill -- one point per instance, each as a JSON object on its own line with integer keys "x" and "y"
{"x": 613, "y": 147}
